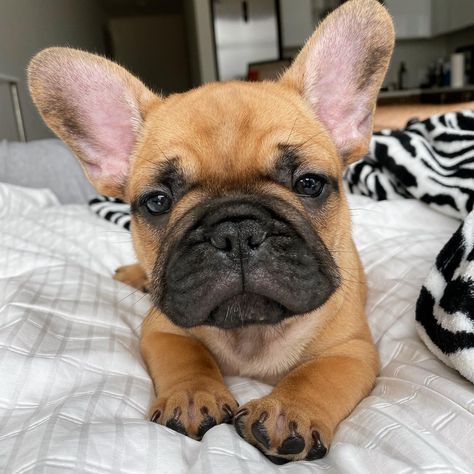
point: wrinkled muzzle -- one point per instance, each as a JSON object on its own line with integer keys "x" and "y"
{"x": 243, "y": 260}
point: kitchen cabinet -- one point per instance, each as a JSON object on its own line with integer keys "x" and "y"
{"x": 449, "y": 16}
{"x": 412, "y": 18}
{"x": 428, "y": 18}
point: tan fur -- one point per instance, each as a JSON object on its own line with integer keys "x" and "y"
{"x": 226, "y": 138}
{"x": 134, "y": 276}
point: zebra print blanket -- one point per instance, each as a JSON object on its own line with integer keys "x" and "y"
{"x": 433, "y": 161}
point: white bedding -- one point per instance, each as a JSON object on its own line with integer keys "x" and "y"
{"x": 74, "y": 391}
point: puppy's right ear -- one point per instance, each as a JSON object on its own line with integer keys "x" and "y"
{"x": 96, "y": 107}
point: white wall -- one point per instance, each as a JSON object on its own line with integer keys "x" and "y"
{"x": 27, "y": 26}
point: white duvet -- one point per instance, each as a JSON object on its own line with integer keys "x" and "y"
{"x": 74, "y": 391}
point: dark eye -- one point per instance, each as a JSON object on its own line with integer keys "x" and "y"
{"x": 158, "y": 204}
{"x": 310, "y": 185}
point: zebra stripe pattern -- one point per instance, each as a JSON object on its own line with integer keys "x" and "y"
{"x": 111, "y": 209}
{"x": 430, "y": 160}
{"x": 445, "y": 307}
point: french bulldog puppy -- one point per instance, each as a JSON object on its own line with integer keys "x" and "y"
{"x": 241, "y": 226}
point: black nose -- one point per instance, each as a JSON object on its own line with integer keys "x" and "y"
{"x": 237, "y": 236}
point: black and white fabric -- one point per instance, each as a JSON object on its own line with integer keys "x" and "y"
{"x": 430, "y": 160}
{"x": 433, "y": 161}
{"x": 445, "y": 307}
{"x": 111, "y": 209}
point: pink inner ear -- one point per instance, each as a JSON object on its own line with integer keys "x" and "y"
{"x": 107, "y": 117}
{"x": 332, "y": 86}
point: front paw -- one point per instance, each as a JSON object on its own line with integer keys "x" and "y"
{"x": 134, "y": 276}
{"x": 192, "y": 410}
{"x": 282, "y": 429}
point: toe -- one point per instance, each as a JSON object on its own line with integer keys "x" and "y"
{"x": 239, "y": 421}
{"x": 318, "y": 450}
{"x": 155, "y": 418}
{"x": 260, "y": 432}
{"x": 175, "y": 423}
{"x": 206, "y": 424}
{"x": 228, "y": 413}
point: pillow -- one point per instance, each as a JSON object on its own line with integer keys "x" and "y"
{"x": 45, "y": 164}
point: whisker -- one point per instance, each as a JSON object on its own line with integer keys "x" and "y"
{"x": 291, "y": 131}
{"x": 300, "y": 145}
{"x": 130, "y": 294}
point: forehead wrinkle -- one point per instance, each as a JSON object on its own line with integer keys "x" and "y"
{"x": 168, "y": 170}
{"x": 232, "y": 149}
{"x": 288, "y": 152}
{"x": 235, "y": 129}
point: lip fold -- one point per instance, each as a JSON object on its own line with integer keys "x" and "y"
{"x": 245, "y": 309}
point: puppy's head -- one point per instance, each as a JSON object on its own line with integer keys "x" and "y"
{"x": 235, "y": 188}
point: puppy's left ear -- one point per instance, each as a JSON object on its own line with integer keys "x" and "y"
{"x": 340, "y": 70}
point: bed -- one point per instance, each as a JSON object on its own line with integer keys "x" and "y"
{"x": 74, "y": 391}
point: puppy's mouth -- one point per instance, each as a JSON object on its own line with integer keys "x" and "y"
{"x": 247, "y": 308}
{"x": 242, "y": 261}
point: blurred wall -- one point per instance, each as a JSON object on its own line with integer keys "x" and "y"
{"x": 27, "y": 26}
{"x": 199, "y": 15}
{"x": 155, "y": 49}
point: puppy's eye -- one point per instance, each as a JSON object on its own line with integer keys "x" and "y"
{"x": 310, "y": 185}
{"x": 158, "y": 204}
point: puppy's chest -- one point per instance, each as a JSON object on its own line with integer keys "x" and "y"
{"x": 266, "y": 353}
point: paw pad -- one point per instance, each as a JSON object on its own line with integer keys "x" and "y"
{"x": 282, "y": 433}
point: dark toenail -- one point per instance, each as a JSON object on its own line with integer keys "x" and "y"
{"x": 228, "y": 413}
{"x": 204, "y": 411}
{"x": 293, "y": 426}
{"x": 242, "y": 412}
{"x": 156, "y": 416}
{"x": 260, "y": 433}
{"x": 318, "y": 450}
{"x": 277, "y": 460}
{"x": 292, "y": 445}
{"x": 239, "y": 427}
{"x": 176, "y": 425}
{"x": 176, "y": 413}
{"x": 263, "y": 417}
{"x": 206, "y": 424}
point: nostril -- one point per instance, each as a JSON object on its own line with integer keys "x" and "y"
{"x": 221, "y": 242}
{"x": 255, "y": 240}
{"x": 233, "y": 238}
